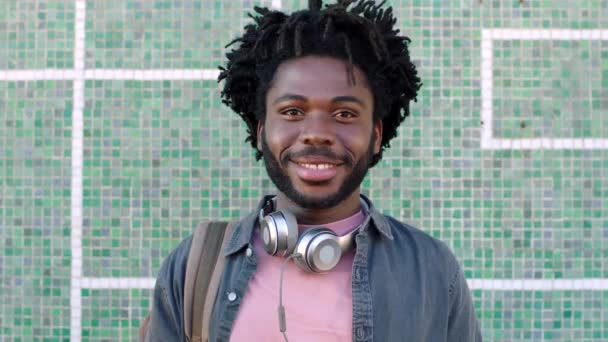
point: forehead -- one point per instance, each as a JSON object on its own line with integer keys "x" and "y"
{"x": 317, "y": 76}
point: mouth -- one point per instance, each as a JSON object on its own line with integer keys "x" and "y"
{"x": 313, "y": 166}
{"x": 316, "y": 170}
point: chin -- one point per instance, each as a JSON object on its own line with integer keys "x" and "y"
{"x": 317, "y": 199}
{"x": 316, "y": 192}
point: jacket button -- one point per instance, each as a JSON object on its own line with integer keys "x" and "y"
{"x": 249, "y": 251}
{"x": 232, "y": 296}
{"x": 360, "y": 332}
{"x": 357, "y": 274}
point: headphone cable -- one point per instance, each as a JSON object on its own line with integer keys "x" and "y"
{"x": 282, "y": 320}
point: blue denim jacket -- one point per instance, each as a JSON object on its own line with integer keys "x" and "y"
{"x": 406, "y": 286}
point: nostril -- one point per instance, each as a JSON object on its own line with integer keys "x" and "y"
{"x": 317, "y": 139}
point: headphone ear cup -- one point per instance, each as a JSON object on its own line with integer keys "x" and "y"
{"x": 279, "y": 233}
{"x": 292, "y": 232}
{"x": 319, "y": 250}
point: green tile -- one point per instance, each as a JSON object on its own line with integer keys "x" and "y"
{"x": 153, "y": 152}
{"x": 113, "y": 315}
{"x": 542, "y": 316}
{"x": 35, "y": 141}
{"x": 36, "y": 34}
{"x": 161, "y": 34}
{"x": 558, "y": 98}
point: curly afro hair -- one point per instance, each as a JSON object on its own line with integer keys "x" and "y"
{"x": 362, "y": 33}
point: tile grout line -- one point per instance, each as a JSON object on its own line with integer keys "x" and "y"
{"x": 76, "y": 183}
{"x": 546, "y": 144}
{"x": 574, "y": 284}
{"x": 487, "y": 83}
{"x": 546, "y": 34}
{"x": 109, "y": 74}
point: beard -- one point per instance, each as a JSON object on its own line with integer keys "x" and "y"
{"x": 281, "y": 180}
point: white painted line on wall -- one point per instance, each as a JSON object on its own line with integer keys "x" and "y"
{"x": 76, "y": 184}
{"x": 486, "y": 88}
{"x": 545, "y": 144}
{"x": 109, "y": 74}
{"x": 152, "y": 74}
{"x": 488, "y": 141}
{"x": 276, "y": 4}
{"x": 546, "y": 34}
{"x": 118, "y": 283}
{"x": 582, "y": 284}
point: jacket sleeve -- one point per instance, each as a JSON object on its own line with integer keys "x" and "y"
{"x": 462, "y": 323}
{"x": 166, "y": 316}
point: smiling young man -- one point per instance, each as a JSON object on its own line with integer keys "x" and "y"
{"x": 322, "y": 92}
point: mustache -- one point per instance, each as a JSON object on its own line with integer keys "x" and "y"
{"x": 316, "y": 151}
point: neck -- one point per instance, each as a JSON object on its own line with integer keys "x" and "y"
{"x": 345, "y": 209}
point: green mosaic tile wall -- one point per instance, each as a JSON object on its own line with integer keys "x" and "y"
{"x": 36, "y": 34}
{"x": 154, "y": 168}
{"x": 35, "y": 133}
{"x": 160, "y": 153}
{"x": 543, "y": 315}
{"x": 110, "y": 315}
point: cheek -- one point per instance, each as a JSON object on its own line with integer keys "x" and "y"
{"x": 279, "y": 137}
{"x": 357, "y": 141}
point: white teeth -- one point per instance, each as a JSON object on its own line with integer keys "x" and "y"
{"x": 316, "y": 166}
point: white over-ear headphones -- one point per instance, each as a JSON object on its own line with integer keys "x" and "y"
{"x": 319, "y": 249}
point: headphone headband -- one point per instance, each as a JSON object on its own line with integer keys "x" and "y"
{"x": 319, "y": 248}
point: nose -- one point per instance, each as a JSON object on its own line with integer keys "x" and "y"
{"x": 318, "y": 130}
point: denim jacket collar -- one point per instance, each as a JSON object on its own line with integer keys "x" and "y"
{"x": 243, "y": 229}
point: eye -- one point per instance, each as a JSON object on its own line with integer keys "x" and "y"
{"x": 291, "y": 112}
{"x": 345, "y": 114}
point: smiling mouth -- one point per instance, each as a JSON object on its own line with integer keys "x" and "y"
{"x": 316, "y": 172}
{"x": 316, "y": 166}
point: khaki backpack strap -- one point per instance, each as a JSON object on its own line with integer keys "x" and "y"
{"x": 206, "y": 246}
{"x": 214, "y": 285}
{"x": 196, "y": 248}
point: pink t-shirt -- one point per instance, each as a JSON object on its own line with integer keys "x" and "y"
{"x": 318, "y": 306}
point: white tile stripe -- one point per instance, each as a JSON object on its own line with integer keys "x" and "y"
{"x": 158, "y": 74}
{"x": 546, "y": 34}
{"x": 118, "y": 283}
{"x": 486, "y": 88}
{"x": 582, "y": 284}
{"x": 545, "y": 143}
{"x": 276, "y": 4}
{"x": 488, "y": 142}
{"x": 76, "y": 186}
{"x": 588, "y": 284}
{"x": 109, "y": 74}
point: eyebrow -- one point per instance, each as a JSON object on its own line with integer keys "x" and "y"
{"x": 292, "y": 97}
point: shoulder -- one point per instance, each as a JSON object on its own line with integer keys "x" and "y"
{"x": 166, "y": 321}
{"x": 173, "y": 269}
{"x": 422, "y": 245}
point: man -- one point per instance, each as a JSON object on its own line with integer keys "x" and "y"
{"x": 322, "y": 92}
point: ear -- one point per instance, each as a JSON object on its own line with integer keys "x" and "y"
{"x": 377, "y": 136}
{"x": 260, "y": 131}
